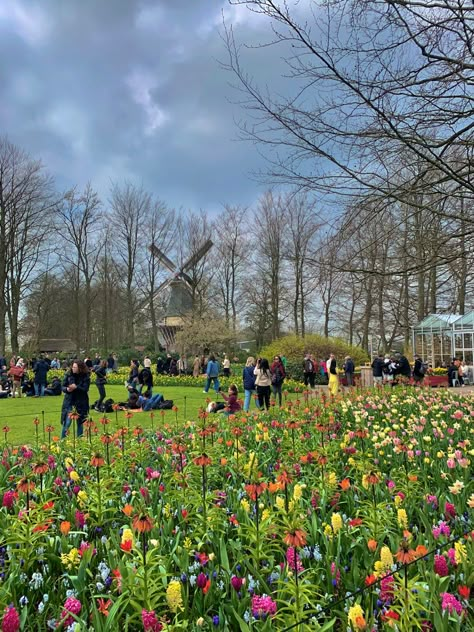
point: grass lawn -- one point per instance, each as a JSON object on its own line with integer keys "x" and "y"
{"x": 18, "y": 414}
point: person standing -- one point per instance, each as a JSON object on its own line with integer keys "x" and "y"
{"x": 196, "y": 366}
{"x": 212, "y": 373}
{"x": 17, "y": 372}
{"x": 263, "y": 381}
{"x": 349, "y": 370}
{"x": 226, "y": 366}
{"x": 116, "y": 363}
{"x": 333, "y": 377}
{"x": 75, "y": 387}
{"x": 40, "y": 370}
{"x": 182, "y": 365}
{"x": 110, "y": 363}
{"x": 100, "y": 371}
{"x": 278, "y": 377}
{"x": 248, "y": 378}
{"x": 419, "y": 370}
{"x": 377, "y": 370}
{"x": 308, "y": 371}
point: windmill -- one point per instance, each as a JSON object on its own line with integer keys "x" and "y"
{"x": 180, "y": 301}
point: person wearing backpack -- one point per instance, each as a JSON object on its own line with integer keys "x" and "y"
{"x": 419, "y": 370}
{"x": 278, "y": 377}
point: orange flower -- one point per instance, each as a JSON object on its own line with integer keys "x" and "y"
{"x": 142, "y": 523}
{"x": 255, "y": 489}
{"x": 274, "y": 487}
{"x": 97, "y": 460}
{"x": 65, "y": 527}
{"x": 127, "y": 510}
{"x": 405, "y": 555}
{"x": 295, "y": 538}
{"x": 370, "y": 579}
{"x": 40, "y": 467}
{"x": 345, "y": 484}
{"x": 284, "y": 478}
{"x": 223, "y": 461}
{"x": 202, "y": 460}
{"x": 420, "y": 551}
{"x": 24, "y": 485}
{"x": 372, "y": 545}
{"x": 412, "y": 477}
{"x": 372, "y": 478}
{"x": 103, "y": 606}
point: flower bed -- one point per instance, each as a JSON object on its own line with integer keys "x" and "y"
{"x": 354, "y": 514}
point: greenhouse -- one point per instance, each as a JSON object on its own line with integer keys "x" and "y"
{"x": 440, "y": 337}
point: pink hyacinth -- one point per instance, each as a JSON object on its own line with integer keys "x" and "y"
{"x": 387, "y": 588}
{"x": 290, "y": 560}
{"x": 71, "y": 606}
{"x": 441, "y": 566}
{"x": 263, "y": 606}
{"x": 450, "y": 603}
{"x": 452, "y": 556}
{"x": 8, "y": 499}
{"x": 11, "y": 620}
{"x": 150, "y": 621}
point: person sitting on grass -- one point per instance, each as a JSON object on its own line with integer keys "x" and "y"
{"x": 54, "y": 388}
{"x": 233, "y": 405}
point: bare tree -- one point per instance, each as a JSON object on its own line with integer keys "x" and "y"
{"x": 368, "y": 83}
{"x": 230, "y": 257}
{"x": 79, "y": 226}
{"x": 26, "y": 200}
{"x": 302, "y": 226}
{"x": 130, "y": 207}
{"x": 268, "y": 251}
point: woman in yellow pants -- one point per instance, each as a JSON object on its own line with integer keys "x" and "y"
{"x": 333, "y": 377}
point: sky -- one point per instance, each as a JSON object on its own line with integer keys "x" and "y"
{"x": 106, "y": 91}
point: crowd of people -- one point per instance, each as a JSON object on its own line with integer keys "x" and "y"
{"x": 260, "y": 380}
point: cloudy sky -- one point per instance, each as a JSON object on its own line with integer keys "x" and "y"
{"x": 105, "y": 90}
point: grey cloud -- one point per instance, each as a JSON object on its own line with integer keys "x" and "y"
{"x": 106, "y": 90}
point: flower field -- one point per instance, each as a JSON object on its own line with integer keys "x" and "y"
{"x": 353, "y": 514}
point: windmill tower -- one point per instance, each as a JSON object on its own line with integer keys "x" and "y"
{"x": 180, "y": 284}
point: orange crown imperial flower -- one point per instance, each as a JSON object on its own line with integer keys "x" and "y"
{"x": 295, "y": 538}
{"x": 202, "y": 460}
{"x": 97, "y": 460}
{"x": 142, "y": 523}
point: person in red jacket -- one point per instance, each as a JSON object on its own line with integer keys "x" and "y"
{"x": 16, "y": 372}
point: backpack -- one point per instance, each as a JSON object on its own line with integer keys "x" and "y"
{"x": 166, "y": 404}
{"x": 423, "y": 368}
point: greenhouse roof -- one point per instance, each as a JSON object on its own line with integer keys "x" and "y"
{"x": 438, "y": 321}
{"x": 467, "y": 319}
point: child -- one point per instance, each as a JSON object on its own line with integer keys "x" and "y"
{"x": 233, "y": 405}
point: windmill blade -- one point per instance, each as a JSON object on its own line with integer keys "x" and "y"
{"x": 159, "y": 289}
{"x": 197, "y": 256}
{"x": 160, "y": 255}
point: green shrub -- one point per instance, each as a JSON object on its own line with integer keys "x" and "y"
{"x": 294, "y": 347}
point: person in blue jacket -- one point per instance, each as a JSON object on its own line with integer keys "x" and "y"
{"x": 248, "y": 378}
{"x": 212, "y": 372}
